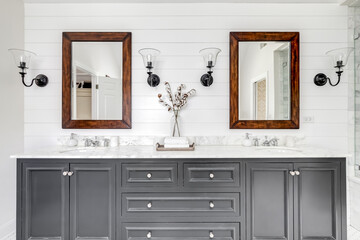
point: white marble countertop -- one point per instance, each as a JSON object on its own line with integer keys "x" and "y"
{"x": 200, "y": 152}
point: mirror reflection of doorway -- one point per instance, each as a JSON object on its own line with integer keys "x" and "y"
{"x": 260, "y": 100}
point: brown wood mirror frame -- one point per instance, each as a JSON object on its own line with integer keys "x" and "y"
{"x": 68, "y": 39}
{"x": 235, "y": 38}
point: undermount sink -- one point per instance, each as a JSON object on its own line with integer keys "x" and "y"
{"x": 278, "y": 149}
{"x": 82, "y": 150}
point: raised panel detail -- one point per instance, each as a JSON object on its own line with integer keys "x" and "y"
{"x": 45, "y": 201}
{"x": 212, "y": 175}
{"x": 180, "y": 231}
{"x": 269, "y": 198}
{"x": 318, "y": 202}
{"x": 92, "y": 205}
{"x": 180, "y": 204}
{"x": 144, "y": 175}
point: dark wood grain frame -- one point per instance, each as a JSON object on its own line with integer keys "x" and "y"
{"x": 235, "y": 38}
{"x": 68, "y": 38}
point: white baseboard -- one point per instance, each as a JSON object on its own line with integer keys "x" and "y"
{"x": 7, "y": 230}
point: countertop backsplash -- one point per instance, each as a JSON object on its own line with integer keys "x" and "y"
{"x": 198, "y": 140}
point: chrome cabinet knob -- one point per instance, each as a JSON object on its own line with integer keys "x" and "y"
{"x": 148, "y": 235}
{"x": 149, "y": 175}
{"x": 211, "y": 235}
{"x": 211, "y": 176}
{"x": 65, "y": 173}
{"x": 211, "y": 204}
{"x": 70, "y": 174}
{"x": 292, "y": 173}
{"x": 149, "y": 205}
{"x": 297, "y": 173}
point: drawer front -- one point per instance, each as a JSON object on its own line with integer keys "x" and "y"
{"x": 212, "y": 175}
{"x": 180, "y": 231}
{"x": 144, "y": 175}
{"x": 180, "y": 204}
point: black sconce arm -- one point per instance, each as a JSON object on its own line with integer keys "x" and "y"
{"x": 40, "y": 80}
{"x": 321, "y": 79}
{"x": 338, "y": 81}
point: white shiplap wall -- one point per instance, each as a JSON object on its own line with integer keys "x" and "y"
{"x": 179, "y": 31}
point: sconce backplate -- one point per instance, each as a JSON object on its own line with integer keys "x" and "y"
{"x": 206, "y": 80}
{"x": 153, "y": 80}
{"x": 320, "y": 79}
{"x": 41, "y": 80}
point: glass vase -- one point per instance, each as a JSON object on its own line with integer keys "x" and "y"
{"x": 175, "y": 124}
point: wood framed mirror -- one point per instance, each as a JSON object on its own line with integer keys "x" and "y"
{"x": 96, "y": 84}
{"x": 264, "y": 80}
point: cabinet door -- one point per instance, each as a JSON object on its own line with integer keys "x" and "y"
{"x": 44, "y": 201}
{"x": 318, "y": 201}
{"x": 92, "y": 201}
{"x": 269, "y": 201}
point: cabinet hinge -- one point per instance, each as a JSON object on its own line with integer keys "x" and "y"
{"x": 97, "y": 86}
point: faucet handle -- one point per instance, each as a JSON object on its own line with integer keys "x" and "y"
{"x": 106, "y": 142}
{"x": 256, "y": 141}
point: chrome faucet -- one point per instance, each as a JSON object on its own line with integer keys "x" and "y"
{"x": 271, "y": 142}
{"x": 91, "y": 143}
{"x": 256, "y": 141}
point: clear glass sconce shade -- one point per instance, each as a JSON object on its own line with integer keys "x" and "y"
{"x": 22, "y": 57}
{"x": 340, "y": 56}
{"x": 210, "y": 56}
{"x": 149, "y": 56}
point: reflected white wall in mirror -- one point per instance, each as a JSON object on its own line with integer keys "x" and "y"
{"x": 264, "y": 80}
{"x": 96, "y": 78}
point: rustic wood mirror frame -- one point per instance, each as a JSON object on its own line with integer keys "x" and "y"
{"x": 235, "y": 38}
{"x": 68, "y": 38}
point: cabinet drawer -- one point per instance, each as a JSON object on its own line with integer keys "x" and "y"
{"x": 144, "y": 175}
{"x": 212, "y": 175}
{"x": 183, "y": 231}
{"x": 180, "y": 204}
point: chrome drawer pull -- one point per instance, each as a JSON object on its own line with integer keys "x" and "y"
{"x": 211, "y": 176}
{"x": 297, "y": 173}
{"x": 148, "y": 236}
{"x": 292, "y": 173}
{"x": 65, "y": 173}
{"x": 211, "y": 235}
{"x": 70, "y": 174}
{"x": 149, "y": 205}
{"x": 211, "y": 204}
{"x": 149, "y": 175}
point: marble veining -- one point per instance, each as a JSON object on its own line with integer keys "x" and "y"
{"x": 200, "y": 152}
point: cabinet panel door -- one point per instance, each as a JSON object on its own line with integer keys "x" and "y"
{"x": 92, "y": 201}
{"x": 318, "y": 201}
{"x": 269, "y": 189}
{"x": 45, "y": 201}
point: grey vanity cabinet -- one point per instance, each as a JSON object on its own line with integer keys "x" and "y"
{"x": 92, "y": 201}
{"x": 67, "y": 201}
{"x": 270, "y": 201}
{"x": 44, "y": 201}
{"x": 294, "y": 201}
{"x": 317, "y": 201}
{"x": 181, "y": 199}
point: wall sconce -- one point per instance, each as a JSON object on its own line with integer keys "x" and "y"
{"x": 149, "y": 56}
{"x": 210, "y": 56}
{"x": 340, "y": 58}
{"x": 23, "y": 58}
